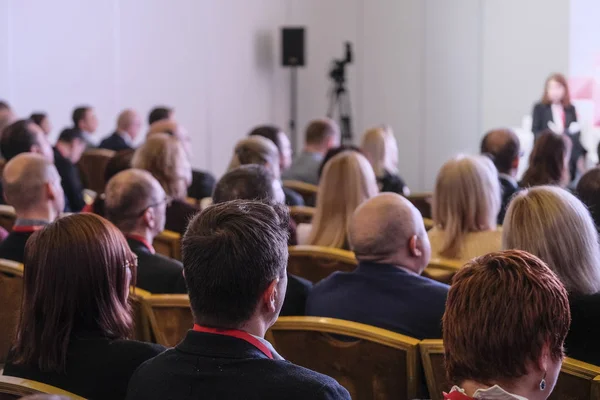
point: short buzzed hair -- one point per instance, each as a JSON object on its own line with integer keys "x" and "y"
{"x": 18, "y": 138}
{"x": 248, "y": 182}
{"x": 23, "y": 187}
{"x": 503, "y": 146}
{"x": 127, "y": 195}
{"x": 321, "y": 129}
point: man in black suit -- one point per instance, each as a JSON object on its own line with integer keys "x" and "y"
{"x": 234, "y": 258}
{"x": 255, "y": 182}
{"x": 504, "y": 148}
{"x": 67, "y": 153}
{"x": 387, "y": 290}
{"x": 32, "y": 187}
{"x": 136, "y": 203}
{"x": 128, "y": 128}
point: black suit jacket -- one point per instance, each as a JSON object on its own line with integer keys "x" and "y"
{"x": 115, "y": 142}
{"x": 295, "y": 296}
{"x": 582, "y": 340}
{"x": 13, "y": 247}
{"x": 97, "y": 367}
{"x": 179, "y": 213}
{"x": 210, "y": 366}
{"x": 71, "y": 183}
{"x": 508, "y": 189}
{"x": 157, "y": 273}
{"x": 203, "y": 184}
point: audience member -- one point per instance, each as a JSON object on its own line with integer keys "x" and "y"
{"x": 128, "y": 127}
{"x": 165, "y": 158}
{"x": 137, "y": 204}
{"x": 548, "y": 161}
{"x": 254, "y": 182}
{"x": 381, "y": 149}
{"x": 67, "y": 152}
{"x": 505, "y": 323}
{"x": 7, "y": 116}
{"x": 466, "y": 202}
{"x": 334, "y": 151}
{"x": 32, "y": 186}
{"x": 387, "y": 290}
{"x": 504, "y": 147}
{"x": 256, "y": 150}
{"x": 321, "y": 135}
{"x": 348, "y": 180}
{"x": 160, "y": 113}
{"x": 41, "y": 119}
{"x": 77, "y": 276}
{"x": 588, "y": 190}
{"x": 235, "y": 297}
{"x": 84, "y": 119}
{"x": 555, "y": 226}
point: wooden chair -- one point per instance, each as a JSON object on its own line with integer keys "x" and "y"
{"x": 302, "y": 214}
{"x": 11, "y": 293}
{"x": 315, "y": 262}
{"x": 92, "y": 166}
{"x": 429, "y": 224}
{"x": 423, "y": 203}
{"x": 371, "y": 363}
{"x": 432, "y": 356}
{"x": 15, "y": 388}
{"x": 168, "y": 244}
{"x": 141, "y": 330}
{"x": 7, "y": 217}
{"x": 577, "y": 380}
{"x": 306, "y": 190}
{"x": 442, "y": 270}
{"x": 169, "y": 316}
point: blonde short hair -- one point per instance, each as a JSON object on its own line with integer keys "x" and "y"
{"x": 466, "y": 199}
{"x": 381, "y": 149}
{"x": 256, "y": 150}
{"x": 347, "y": 181}
{"x": 165, "y": 158}
{"x": 554, "y": 225}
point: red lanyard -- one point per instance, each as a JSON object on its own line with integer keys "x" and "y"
{"x": 27, "y": 228}
{"x": 143, "y": 241}
{"x": 456, "y": 395}
{"x": 237, "y": 334}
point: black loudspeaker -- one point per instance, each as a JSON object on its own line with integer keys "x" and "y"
{"x": 292, "y": 49}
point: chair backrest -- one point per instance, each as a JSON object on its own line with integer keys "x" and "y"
{"x": 302, "y": 214}
{"x": 315, "y": 262}
{"x": 371, "y": 363}
{"x": 170, "y": 317}
{"x": 15, "y": 388}
{"x": 432, "y": 356}
{"x": 168, "y": 244}
{"x": 423, "y": 203}
{"x": 7, "y": 217}
{"x": 429, "y": 224}
{"x": 577, "y": 380}
{"x": 141, "y": 330}
{"x": 306, "y": 190}
{"x": 442, "y": 270}
{"x": 92, "y": 166}
{"x": 11, "y": 294}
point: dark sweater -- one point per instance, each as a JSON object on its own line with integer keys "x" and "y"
{"x": 13, "y": 247}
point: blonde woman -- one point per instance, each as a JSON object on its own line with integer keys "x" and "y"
{"x": 381, "y": 149}
{"x": 554, "y": 225}
{"x": 466, "y": 202}
{"x": 347, "y": 181}
{"x": 165, "y": 158}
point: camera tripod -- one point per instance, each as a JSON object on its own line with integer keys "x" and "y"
{"x": 339, "y": 96}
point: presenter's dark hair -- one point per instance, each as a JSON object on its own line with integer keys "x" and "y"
{"x": 79, "y": 114}
{"x": 75, "y": 279}
{"x": 231, "y": 253}
{"x": 560, "y": 78}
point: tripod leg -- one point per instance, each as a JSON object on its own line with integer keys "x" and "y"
{"x": 345, "y": 116}
{"x": 332, "y": 101}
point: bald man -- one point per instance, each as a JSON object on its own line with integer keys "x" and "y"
{"x": 136, "y": 203}
{"x": 386, "y": 290}
{"x": 128, "y": 128}
{"x": 504, "y": 148}
{"x": 32, "y": 186}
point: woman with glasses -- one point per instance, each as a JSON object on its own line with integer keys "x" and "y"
{"x": 75, "y": 315}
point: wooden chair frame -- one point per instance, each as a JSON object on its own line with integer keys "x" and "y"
{"x": 137, "y": 296}
{"x": 173, "y": 241}
{"x": 7, "y": 216}
{"x": 308, "y": 191}
{"x": 324, "y": 253}
{"x": 24, "y": 387}
{"x": 302, "y": 212}
{"x": 149, "y": 303}
{"x": 419, "y": 199}
{"x": 429, "y": 224}
{"x": 428, "y": 347}
{"x": 11, "y": 267}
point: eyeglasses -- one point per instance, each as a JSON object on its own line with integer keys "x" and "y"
{"x": 167, "y": 201}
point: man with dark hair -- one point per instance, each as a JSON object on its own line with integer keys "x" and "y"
{"x": 255, "y": 182}
{"x": 504, "y": 148}
{"x": 234, "y": 258}
{"x": 84, "y": 119}
{"x": 24, "y": 136}
{"x": 7, "y": 116}
{"x": 321, "y": 135}
{"x": 137, "y": 204}
{"x": 67, "y": 152}
{"x": 160, "y": 113}
{"x": 128, "y": 128}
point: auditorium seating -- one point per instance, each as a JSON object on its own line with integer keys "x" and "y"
{"x": 442, "y": 270}
{"x": 141, "y": 330}
{"x": 428, "y": 223}
{"x": 7, "y": 217}
{"x": 369, "y": 362}
{"x": 302, "y": 214}
{"x": 169, "y": 317}
{"x": 422, "y": 201}
{"x": 432, "y": 356}
{"x": 15, "y": 388}
{"x": 315, "y": 262}
{"x": 168, "y": 244}
{"x": 11, "y": 293}
{"x": 92, "y": 166}
{"x": 306, "y": 190}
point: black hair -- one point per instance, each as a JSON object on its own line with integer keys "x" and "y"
{"x": 248, "y": 182}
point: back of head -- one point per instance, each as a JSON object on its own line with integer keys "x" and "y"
{"x": 548, "y": 161}
{"x": 503, "y": 146}
{"x": 248, "y": 182}
{"x": 167, "y": 126}
{"x": 79, "y": 115}
{"x": 159, "y": 113}
{"x": 19, "y": 137}
{"x": 466, "y": 199}
{"x": 38, "y": 118}
{"x": 70, "y": 135}
{"x": 334, "y": 151}
{"x": 502, "y": 310}
{"x": 347, "y": 181}
{"x": 128, "y": 194}
{"x": 231, "y": 253}
{"x": 555, "y": 226}
{"x": 164, "y": 157}
{"x": 77, "y": 276}
{"x": 320, "y": 131}
{"x": 119, "y": 162}
{"x": 588, "y": 190}
{"x": 270, "y": 132}
{"x": 256, "y": 150}
{"x": 126, "y": 119}
{"x": 380, "y": 147}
